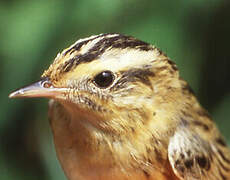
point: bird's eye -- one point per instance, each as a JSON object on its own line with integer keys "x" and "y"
{"x": 104, "y": 79}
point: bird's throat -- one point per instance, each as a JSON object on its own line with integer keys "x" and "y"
{"x": 84, "y": 150}
{"x": 80, "y": 145}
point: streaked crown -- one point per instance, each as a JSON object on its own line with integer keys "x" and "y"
{"x": 105, "y": 52}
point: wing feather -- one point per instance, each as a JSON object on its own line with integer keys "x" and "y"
{"x": 193, "y": 158}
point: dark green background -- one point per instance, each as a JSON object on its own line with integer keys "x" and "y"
{"x": 194, "y": 33}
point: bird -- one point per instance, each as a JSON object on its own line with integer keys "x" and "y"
{"x": 119, "y": 110}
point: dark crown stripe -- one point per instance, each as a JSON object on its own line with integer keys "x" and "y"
{"x": 77, "y": 46}
{"x": 119, "y": 41}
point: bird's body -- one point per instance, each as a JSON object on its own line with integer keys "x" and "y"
{"x": 119, "y": 110}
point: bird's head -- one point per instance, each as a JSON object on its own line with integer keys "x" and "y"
{"x": 111, "y": 76}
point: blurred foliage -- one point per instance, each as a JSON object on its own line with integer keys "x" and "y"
{"x": 195, "y": 34}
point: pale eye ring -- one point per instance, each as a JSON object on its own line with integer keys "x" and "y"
{"x": 104, "y": 79}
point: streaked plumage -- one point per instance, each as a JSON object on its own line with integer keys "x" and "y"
{"x": 119, "y": 110}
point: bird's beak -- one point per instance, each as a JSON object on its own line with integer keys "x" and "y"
{"x": 42, "y": 88}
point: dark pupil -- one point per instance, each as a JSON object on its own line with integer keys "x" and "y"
{"x": 104, "y": 79}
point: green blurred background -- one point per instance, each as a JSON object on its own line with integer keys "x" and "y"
{"x": 195, "y": 34}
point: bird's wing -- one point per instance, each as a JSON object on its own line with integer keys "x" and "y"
{"x": 193, "y": 158}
